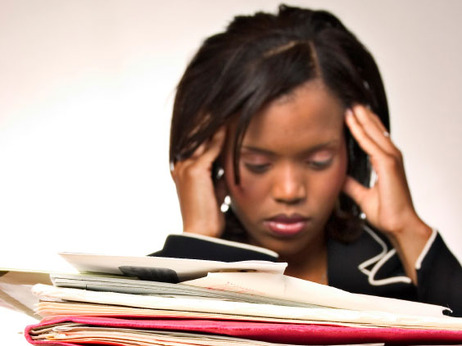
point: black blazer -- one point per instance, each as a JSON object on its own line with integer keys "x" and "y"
{"x": 370, "y": 265}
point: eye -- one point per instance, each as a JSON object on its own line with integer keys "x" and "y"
{"x": 257, "y": 168}
{"x": 256, "y": 162}
{"x": 320, "y": 165}
{"x": 320, "y": 160}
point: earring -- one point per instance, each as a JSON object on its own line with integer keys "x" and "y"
{"x": 219, "y": 173}
{"x": 226, "y": 204}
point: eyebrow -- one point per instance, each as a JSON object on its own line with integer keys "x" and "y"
{"x": 258, "y": 150}
{"x": 308, "y": 151}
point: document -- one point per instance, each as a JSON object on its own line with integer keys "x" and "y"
{"x": 129, "y": 331}
{"x": 164, "y": 268}
{"x": 307, "y": 292}
{"x": 238, "y": 308}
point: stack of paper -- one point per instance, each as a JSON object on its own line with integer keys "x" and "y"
{"x": 217, "y": 303}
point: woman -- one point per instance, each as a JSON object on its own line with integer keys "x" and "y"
{"x": 287, "y": 116}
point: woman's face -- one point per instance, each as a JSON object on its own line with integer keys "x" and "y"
{"x": 292, "y": 167}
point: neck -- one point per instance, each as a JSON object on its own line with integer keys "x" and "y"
{"x": 309, "y": 264}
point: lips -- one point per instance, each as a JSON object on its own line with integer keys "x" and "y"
{"x": 286, "y": 225}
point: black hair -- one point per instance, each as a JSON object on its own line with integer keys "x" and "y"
{"x": 259, "y": 58}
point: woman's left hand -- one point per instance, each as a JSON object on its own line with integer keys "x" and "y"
{"x": 388, "y": 203}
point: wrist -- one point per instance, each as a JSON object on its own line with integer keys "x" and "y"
{"x": 209, "y": 229}
{"x": 414, "y": 231}
{"x": 409, "y": 244}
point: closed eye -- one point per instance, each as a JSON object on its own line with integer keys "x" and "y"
{"x": 320, "y": 160}
{"x": 257, "y": 168}
{"x": 320, "y": 164}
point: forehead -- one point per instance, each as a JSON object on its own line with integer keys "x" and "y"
{"x": 307, "y": 116}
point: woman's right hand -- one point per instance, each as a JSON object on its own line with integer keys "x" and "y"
{"x": 199, "y": 197}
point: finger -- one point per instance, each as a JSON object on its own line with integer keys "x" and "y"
{"x": 355, "y": 190}
{"x": 374, "y": 128}
{"x": 365, "y": 140}
{"x": 202, "y": 158}
{"x": 379, "y": 123}
{"x": 178, "y": 167}
{"x": 374, "y": 117}
{"x": 359, "y": 133}
{"x": 216, "y": 140}
{"x": 199, "y": 151}
{"x": 214, "y": 146}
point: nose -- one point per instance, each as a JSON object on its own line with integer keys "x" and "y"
{"x": 289, "y": 186}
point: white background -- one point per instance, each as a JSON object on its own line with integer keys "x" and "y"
{"x": 86, "y": 88}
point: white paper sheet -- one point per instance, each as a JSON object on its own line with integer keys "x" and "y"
{"x": 286, "y": 287}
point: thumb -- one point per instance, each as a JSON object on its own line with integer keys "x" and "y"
{"x": 355, "y": 190}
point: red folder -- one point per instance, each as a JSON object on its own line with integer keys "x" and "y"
{"x": 292, "y": 333}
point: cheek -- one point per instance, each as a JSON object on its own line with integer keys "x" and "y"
{"x": 247, "y": 197}
{"x": 333, "y": 184}
{"x": 324, "y": 187}
{"x": 250, "y": 192}
{"x": 333, "y": 181}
